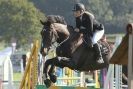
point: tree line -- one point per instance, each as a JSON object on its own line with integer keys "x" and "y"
{"x": 19, "y": 22}
{"x": 114, "y": 14}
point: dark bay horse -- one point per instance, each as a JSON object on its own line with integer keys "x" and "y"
{"x": 71, "y": 52}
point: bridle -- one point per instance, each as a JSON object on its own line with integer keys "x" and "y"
{"x": 54, "y": 36}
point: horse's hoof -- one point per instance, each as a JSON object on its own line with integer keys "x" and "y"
{"x": 53, "y": 78}
{"x": 47, "y": 82}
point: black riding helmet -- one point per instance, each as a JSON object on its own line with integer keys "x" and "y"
{"x": 79, "y": 7}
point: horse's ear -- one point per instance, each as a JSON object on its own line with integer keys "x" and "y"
{"x": 41, "y": 22}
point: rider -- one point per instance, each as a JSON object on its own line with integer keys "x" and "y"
{"x": 87, "y": 24}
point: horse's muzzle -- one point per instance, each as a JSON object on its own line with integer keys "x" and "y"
{"x": 44, "y": 51}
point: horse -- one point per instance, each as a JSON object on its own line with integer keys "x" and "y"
{"x": 71, "y": 51}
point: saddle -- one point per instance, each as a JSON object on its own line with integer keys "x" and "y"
{"x": 104, "y": 46}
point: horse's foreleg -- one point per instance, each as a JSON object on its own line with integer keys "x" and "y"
{"x": 60, "y": 62}
{"x": 51, "y": 74}
{"x": 51, "y": 62}
{"x": 64, "y": 62}
{"x": 57, "y": 61}
{"x": 45, "y": 73}
{"x": 45, "y": 69}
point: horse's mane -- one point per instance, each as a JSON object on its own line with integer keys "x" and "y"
{"x": 59, "y": 23}
{"x": 56, "y": 19}
{"x": 53, "y": 19}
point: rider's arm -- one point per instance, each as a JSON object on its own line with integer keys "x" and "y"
{"x": 89, "y": 24}
{"x": 78, "y": 24}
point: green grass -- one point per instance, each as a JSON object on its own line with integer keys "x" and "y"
{"x": 2, "y": 45}
{"x": 17, "y": 76}
{"x": 63, "y": 87}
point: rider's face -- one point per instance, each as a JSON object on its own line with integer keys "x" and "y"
{"x": 76, "y": 13}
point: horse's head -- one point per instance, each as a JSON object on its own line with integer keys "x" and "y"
{"x": 54, "y": 30}
{"x": 49, "y": 36}
{"x": 51, "y": 33}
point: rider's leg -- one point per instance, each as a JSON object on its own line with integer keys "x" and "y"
{"x": 97, "y": 36}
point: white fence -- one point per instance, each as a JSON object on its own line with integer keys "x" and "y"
{"x": 6, "y": 70}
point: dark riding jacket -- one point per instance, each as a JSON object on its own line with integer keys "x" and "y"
{"x": 87, "y": 24}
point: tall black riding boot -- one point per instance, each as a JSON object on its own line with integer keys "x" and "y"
{"x": 99, "y": 58}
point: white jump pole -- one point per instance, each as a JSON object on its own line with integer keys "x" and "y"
{"x": 109, "y": 82}
{"x": 82, "y": 79}
{"x": 130, "y": 56}
{"x": 118, "y": 70}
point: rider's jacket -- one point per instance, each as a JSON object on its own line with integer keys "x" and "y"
{"x": 87, "y": 23}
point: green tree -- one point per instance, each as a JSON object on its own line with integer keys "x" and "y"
{"x": 19, "y": 19}
{"x": 101, "y": 9}
{"x": 114, "y": 14}
{"x": 57, "y": 7}
{"x": 123, "y": 12}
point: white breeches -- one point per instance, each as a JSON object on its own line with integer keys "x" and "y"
{"x": 97, "y": 35}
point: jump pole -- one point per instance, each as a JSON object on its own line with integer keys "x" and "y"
{"x": 130, "y": 55}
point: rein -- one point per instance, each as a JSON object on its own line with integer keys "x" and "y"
{"x": 56, "y": 36}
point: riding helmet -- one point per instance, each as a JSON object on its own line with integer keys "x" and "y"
{"x": 79, "y": 7}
